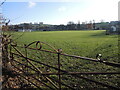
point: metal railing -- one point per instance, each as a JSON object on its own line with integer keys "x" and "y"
{"x": 41, "y": 73}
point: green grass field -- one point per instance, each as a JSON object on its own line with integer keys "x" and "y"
{"x": 81, "y": 43}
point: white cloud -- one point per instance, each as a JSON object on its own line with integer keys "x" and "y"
{"x": 98, "y": 10}
{"x": 62, "y": 9}
{"x": 31, "y": 4}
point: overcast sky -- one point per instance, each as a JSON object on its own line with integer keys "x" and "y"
{"x": 60, "y": 12}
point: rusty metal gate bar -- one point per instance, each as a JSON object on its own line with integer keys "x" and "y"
{"x": 41, "y": 81}
{"x": 63, "y": 71}
{"x": 59, "y": 75}
{"x": 75, "y": 75}
{"x": 79, "y": 57}
{"x": 34, "y": 66}
{"x": 60, "y": 72}
{"x": 33, "y": 77}
{"x": 69, "y": 73}
{"x": 26, "y": 56}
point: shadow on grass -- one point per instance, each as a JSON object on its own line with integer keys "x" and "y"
{"x": 99, "y": 34}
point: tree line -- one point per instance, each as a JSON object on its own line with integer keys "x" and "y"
{"x": 70, "y": 26}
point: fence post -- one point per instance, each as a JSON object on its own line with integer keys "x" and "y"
{"x": 59, "y": 76}
{"x": 26, "y": 57}
{"x": 5, "y": 58}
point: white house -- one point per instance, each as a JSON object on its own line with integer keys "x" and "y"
{"x": 113, "y": 28}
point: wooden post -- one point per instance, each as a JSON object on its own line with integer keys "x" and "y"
{"x": 5, "y": 58}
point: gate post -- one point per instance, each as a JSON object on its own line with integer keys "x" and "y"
{"x": 5, "y": 58}
{"x": 59, "y": 76}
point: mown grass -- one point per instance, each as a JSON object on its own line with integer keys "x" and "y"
{"x": 82, "y": 43}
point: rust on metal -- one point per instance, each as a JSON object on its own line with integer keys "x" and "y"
{"x": 59, "y": 64}
{"x": 79, "y": 57}
{"x": 56, "y": 84}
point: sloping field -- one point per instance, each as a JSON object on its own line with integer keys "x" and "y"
{"x": 82, "y": 43}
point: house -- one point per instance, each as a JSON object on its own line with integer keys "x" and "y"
{"x": 102, "y": 26}
{"x": 114, "y": 28}
{"x": 25, "y": 30}
{"x": 89, "y": 26}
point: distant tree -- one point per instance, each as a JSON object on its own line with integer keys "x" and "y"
{"x": 94, "y": 24}
{"x": 78, "y": 26}
{"x": 83, "y": 26}
{"x": 61, "y": 27}
{"x": 26, "y": 26}
{"x": 71, "y": 25}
